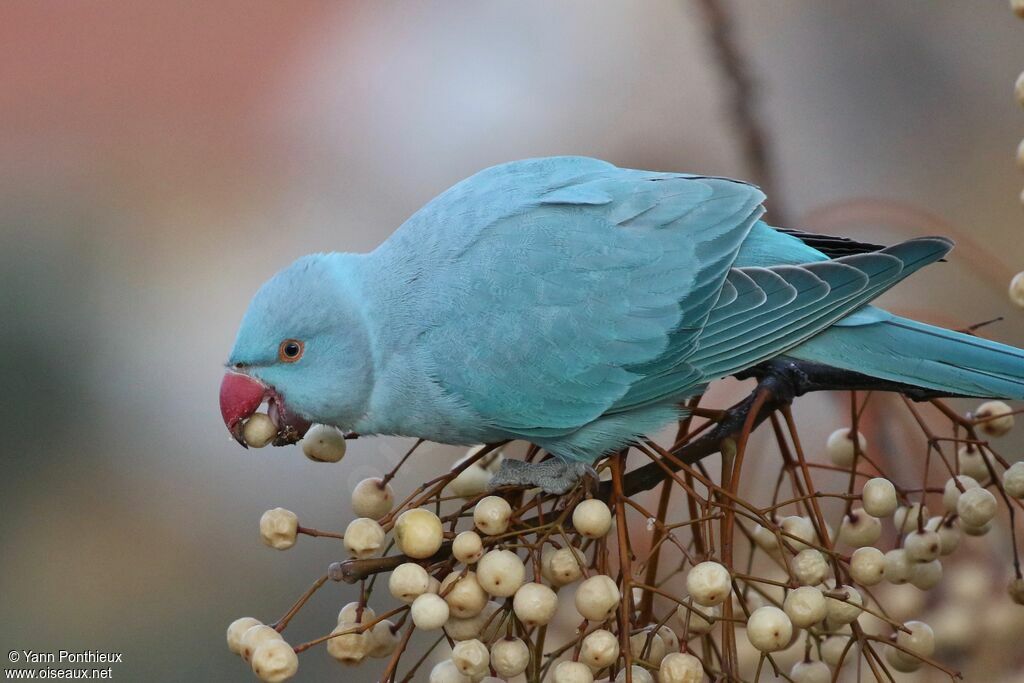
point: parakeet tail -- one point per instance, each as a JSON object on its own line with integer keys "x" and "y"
{"x": 909, "y": 352}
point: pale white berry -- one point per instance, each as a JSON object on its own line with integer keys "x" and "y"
{"x": 905, "y": 518}
{"x": 971, "y": 530}
{"x": 805, "y": 606}
{"x": 995, "y": 418}
{"x": 510, "y": 657}
{"x": 490, "y": 462}
{"x": 471, "y": 657}
{"x": 467, "y": 547}
{"x": 259, "y": 430}
{"x": 765, "y": 539}
{"x": 1013, "y": 480}
{"x": 599, "y": 649}
{"x": 418, "y": 533}
{"x": 429, "y": 612}
{"x": 949, "y": 537}
{"x": 926, "y": 575}
{"x": 637, "y": 673}
{"x": 834, "y": 652}
{"x": 879, "y": 497}
{"x": 433, "y": 586}
{"x": 563, "y": 566}
{"x": 372, "y": 498}
{"x": 859, "y": 529}
{"x": 922, "y": 546}
{"x": 901, "y": 661}
{"x": 445, "y": 671}
{"x": 470, "y": 482}
{"x": 811, "y": 672}
{"x": 464, "y": 594}
{"x": 348, "y": 644}
{"x": 572, "y": 672}
{"x": 481, "y": 626}
{"x": 698, "y": 620}
{"x": 274, "y": 661}
{"x": 769, "y": 629}
{"x": 534, "y": 604}
{"x": 867, "y": 566}
{"x": 949, "y": 533}
{"x": 845, "y": 611}
{"x": 840, "y": 446}
{"x": 680, "y": 667}
{"x": 976, "y": 507}
{"x": 491, "y": 515}
{"x": 709, "y": 583}
{"x": 920, "y": 642}
{"x": 324, "y": 443}
{"x": 383, "y": 639}
{"x": 648, "y": 646}
{"x": 951, "y": 492}
{"x": 751, "y": 600}
{"x": 798, "y": 532}
{"x": 279, "y": 528}
{"x": 352, "y": 613}
{"x": 1015, "y": 589}
{"x": 237, "y": 629}
{"x": 592, "y": 518}
{"x": 810, "y": 567}
{"x": 253, "y": 637}
{"x": 973, "y": 463}
{"x": 501, "y": 573}
{"x": 669, "y": 637}
{"x": 597, "y": 598}
{"x": 408, "y": 581}
{"x": 897, "y": 566}
{"x": 364, "y": 537}
{"x": 1017, "y": 283}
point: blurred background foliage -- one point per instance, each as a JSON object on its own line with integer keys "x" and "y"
{"x": 158, "y": 161}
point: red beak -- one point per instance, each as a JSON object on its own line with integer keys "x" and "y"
{"x": 240, "y": 397}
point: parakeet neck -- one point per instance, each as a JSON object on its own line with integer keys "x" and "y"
{"x": 341, "y": 392}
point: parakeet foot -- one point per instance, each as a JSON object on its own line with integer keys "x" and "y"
{"x": 551, "y": 476}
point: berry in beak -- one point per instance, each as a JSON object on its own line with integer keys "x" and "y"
{"x": 242, "y": 395}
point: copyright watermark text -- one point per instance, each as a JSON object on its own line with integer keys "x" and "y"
{"x": 61, "y": 664}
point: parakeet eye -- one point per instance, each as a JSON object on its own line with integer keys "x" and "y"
{"x": 290, "y": 350}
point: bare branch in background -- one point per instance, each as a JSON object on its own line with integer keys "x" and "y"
{"x": 743, "y": 95}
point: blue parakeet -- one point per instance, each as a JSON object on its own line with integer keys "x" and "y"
{"x": 575, "y": 305}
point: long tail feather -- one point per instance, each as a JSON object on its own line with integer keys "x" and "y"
{"x": 903, "y": 350}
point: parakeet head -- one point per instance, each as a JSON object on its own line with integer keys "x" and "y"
{"x": 302, "y": 348}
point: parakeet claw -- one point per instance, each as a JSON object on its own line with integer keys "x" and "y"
{"x": 552, "y": 476}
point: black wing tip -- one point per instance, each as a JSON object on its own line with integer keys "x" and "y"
{"x": 834, "y": 246}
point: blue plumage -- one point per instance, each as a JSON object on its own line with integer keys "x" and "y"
{"x": 575, "y": 304}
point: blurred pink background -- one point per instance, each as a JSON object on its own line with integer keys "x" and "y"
{"x": 158, "y": 161}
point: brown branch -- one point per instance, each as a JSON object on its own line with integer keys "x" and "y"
{"x": 779, "y": 382}
{"x": 784, "y": 379}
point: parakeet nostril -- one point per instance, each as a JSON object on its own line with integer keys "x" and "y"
{"x": 240, "y": 396}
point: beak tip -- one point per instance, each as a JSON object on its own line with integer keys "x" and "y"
{"x": 236, "y": 431}
{"x": 240, "y": 397}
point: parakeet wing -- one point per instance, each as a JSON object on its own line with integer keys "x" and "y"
{"x": 775, "y": 309}
{"x": 568, "y": 294}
